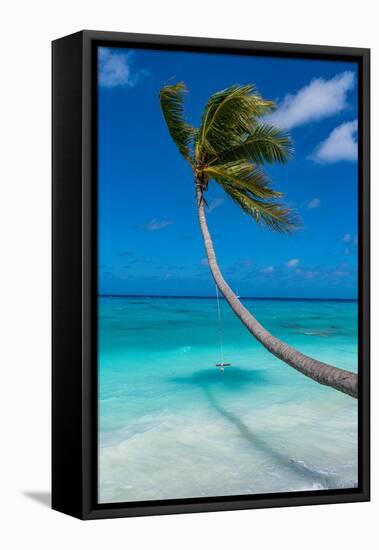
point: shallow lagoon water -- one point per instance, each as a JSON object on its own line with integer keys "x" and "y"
{"x": 171, "y": 425}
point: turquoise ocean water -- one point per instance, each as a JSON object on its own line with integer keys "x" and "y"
{"x": 171, "y": 425}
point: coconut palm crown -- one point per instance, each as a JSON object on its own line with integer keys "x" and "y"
{"x": 230, "y": 147}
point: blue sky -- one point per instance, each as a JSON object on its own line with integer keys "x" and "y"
{"x": 149, "y": 239}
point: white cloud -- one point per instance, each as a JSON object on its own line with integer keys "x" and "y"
{"x": 268, "y": 269}
{"x": 293, "y": 263}
{"x": 341, "y": 144}
{"x": 114, "y": 68}
{"x": 245, "y": 263}
{"x": 155, "y": 225}
{"x": 314, "y": 203}
{"x": 308, "y": 274}
{"x": 319, "y": 99}
{"x": 311, "y": 274}
{"x": 215, "y": 203}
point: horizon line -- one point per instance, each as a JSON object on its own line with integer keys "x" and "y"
{"x": 279, "y": 298}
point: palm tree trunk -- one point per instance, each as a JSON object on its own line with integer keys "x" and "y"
{"x": 339, "y": 379}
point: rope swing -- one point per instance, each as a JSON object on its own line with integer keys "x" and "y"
{"x": 222, "y": 363}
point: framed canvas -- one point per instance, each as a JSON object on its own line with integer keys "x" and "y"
{"x": 210, "y": 275}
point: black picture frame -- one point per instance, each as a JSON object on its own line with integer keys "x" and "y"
{"x": 74, "y": 272}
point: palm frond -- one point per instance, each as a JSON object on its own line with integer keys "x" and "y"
{"x": 265, "y": 144}
{"x": 274, "y": 215}
{"x": 243, "y": 176}
{"x": 229, "y": 115}
{"x": 172, "y": 105}
{"x": 230, "y": 146}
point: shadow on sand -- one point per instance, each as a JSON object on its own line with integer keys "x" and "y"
{"x": 234, "y": 378}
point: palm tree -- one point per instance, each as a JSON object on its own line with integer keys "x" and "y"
{"x": 229, "y": 148}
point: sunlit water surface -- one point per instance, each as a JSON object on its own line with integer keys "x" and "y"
{"x": 171, "y": 425}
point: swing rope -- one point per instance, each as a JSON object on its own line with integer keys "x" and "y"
{"x": 219, "y": 324}
{"x": 222, "y": 363}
